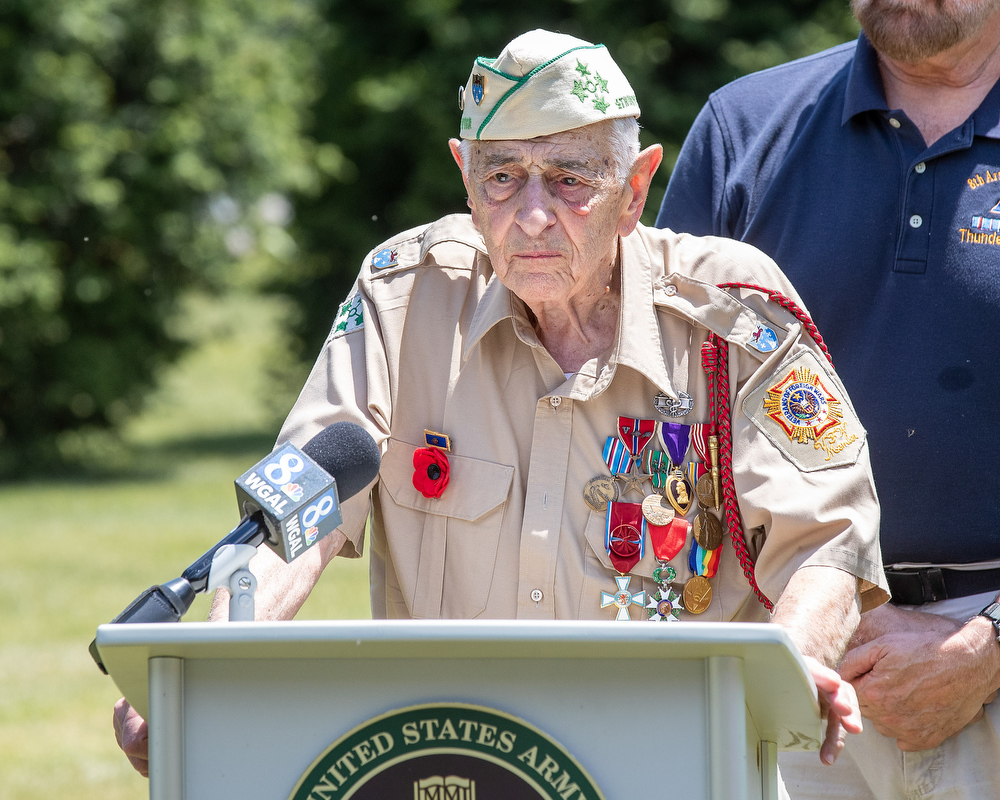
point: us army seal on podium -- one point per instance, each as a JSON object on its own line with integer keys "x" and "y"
{"x": 446, "y": 751}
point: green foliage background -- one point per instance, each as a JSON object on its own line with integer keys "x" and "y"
{"x": 154, "y": 148}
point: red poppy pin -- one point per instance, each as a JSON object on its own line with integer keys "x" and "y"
{"x": 430, "y": 471}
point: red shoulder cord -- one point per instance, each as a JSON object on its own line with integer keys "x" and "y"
{"x": 715, "y": 362}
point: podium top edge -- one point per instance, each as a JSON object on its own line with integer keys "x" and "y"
{"x": 359, "y": 632}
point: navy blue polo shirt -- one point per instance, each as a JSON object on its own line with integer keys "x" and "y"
{"x": 895, "y": 249}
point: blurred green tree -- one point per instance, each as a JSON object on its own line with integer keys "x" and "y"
{"x": 144, "y": 145}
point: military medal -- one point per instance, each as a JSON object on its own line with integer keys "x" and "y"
{"x": 705, "y": 491}
{"x": 625, "y": 535}
{"x": 697, "y": 594}
{"x": 707, "y": 530}
{"x": 665, "y": 604}
{"x": 617, "y": 456}
{"x": 599, "y": 492}
{"x": 700, "y": 431}
{"x": 656, "y": 465}
{"x": 657, "y": 511}
{"x": 677, "y": 489}
{"x": 703, "y": 564}
{"x": 664, "y": 574}
{"x": 668, "y": 540}
{"x": 623, "y": 598}
{"x": 678, "y": 492}
{"x": 635, "y": 433}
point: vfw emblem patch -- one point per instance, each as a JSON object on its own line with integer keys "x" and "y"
{"x": 802, "y": 405}
{"x": 446, "y": 751}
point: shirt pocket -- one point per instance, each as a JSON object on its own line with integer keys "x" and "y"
{"x": 444, "y": 550}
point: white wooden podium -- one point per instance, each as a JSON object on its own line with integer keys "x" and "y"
{"x": 673, "y": 710}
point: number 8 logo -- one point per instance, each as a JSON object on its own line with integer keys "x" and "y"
{"x": 317, "y": 511}
{"x": 282, "y": 470}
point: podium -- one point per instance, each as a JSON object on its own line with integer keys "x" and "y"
{"x": 464, "y": 710}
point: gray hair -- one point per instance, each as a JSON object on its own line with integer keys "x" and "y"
{"x": 624, "y": 136}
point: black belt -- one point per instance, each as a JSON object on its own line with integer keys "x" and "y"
{"x": 914, "y": 586}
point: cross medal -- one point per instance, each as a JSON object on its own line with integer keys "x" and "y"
{"x": 623, "y": 598}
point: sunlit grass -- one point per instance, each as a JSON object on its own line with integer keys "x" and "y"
{"x": 77, "y": 552}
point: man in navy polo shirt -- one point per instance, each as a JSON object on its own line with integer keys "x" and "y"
{"x": 871, "y": 174}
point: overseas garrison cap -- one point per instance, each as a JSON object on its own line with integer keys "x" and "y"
{"x": 543, "y": 83}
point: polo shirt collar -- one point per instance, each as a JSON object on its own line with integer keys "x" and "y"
{"x": 638, "y": 343}
{"x": 986, "y": 118}
{"x": 864, "y": 84}
{"x": 865, "y": 92}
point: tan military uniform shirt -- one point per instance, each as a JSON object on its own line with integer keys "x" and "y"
{"x": 430, "y": 339}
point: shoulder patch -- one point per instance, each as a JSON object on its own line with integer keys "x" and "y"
{"x": 804, "y": 412}
{"x": 350, "y": 317}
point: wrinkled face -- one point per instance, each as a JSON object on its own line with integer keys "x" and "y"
{"x": 550, "y": 210}
{"x": 912, "y": 30}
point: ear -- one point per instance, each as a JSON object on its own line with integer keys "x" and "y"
{"x": 456, "y": 153}
{"x": 640, "y": 178}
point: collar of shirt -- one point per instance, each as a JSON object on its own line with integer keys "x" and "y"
{"x": 865, "y": 92}
{"x": 638, "y": 344}
{"x": 864, "y": 84}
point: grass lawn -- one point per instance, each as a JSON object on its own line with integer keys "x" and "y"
{"x": 77, "y": 552}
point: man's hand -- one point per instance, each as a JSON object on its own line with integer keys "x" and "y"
{"x": 820, "y": 608}
{"x": 132, "y": 734}
{"x": 922, "y": 685}
{"x": 838, "y": 705}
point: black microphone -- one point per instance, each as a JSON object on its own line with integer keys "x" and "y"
{"x": 290, "y": 500}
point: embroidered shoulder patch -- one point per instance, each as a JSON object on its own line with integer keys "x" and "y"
{"x": 803, "y": 410}
{"x": 350, "y": 317}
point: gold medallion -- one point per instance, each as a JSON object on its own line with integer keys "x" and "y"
{"x": 697, "y": 594}
{"x": 705, "y": 489}
{"x": 599, "y": 492}
{"x": 708, "y": 530}
{"x": 657, "y": 510}
{"x": 678, "y": 491}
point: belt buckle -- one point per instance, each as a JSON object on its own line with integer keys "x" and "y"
{"x": 916, "y": 586}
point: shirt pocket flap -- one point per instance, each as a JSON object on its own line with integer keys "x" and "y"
{"x": 474, "y": 487}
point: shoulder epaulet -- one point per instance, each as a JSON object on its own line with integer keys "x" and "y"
{"x": 411, "y": 248}
{"x": 735, "y": 290}
{"x": 756, "y": 324}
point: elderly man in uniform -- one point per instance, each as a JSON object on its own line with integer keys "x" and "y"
{"x": 553, "y": 385}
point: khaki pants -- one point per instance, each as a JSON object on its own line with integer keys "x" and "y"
{"x": 871, "y": 767}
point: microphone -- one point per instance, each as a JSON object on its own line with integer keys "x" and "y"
{"x": 290, "y": 500}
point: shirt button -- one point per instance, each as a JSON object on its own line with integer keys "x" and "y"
{"x": 555, "y": 401}
{"x": 894, "y": 122}
{"x": 670, "y": 289}
{"x": 920, "y": 168}
{"x": 916, "y": 221}
{"x": 536, "y": 595}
